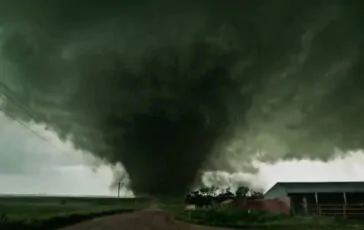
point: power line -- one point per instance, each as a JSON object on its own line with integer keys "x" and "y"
{"x": 26, "y": 110}
{"x": 33, "y": 131}
{"x": 15, "y": 100}
{"x": 27, "y": 127}
{"x": 11, "y": 96}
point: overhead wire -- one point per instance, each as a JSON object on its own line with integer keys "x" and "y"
{"x": 16, "y": 102}
{"x": 27, "y": 127}
{"x": 11, "y": 97}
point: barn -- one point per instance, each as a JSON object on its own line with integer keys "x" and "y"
{"x": 322, "y": 198}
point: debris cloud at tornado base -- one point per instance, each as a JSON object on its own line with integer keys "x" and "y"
{"x": 171, "y": 90}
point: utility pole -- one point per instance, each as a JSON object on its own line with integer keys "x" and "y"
{"x": 119, "y": 184}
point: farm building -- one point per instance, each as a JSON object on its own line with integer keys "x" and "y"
{"x": 322, "y": 198}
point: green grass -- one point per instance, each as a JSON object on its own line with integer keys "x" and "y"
{"x": 53, "y": 212}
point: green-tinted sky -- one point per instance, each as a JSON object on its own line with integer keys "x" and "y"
{"x": 196, "y": 85}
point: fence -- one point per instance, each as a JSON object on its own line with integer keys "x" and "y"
{"x": 337, "y": 210}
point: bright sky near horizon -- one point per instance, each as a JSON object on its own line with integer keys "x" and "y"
{"x": 30, "y": 165}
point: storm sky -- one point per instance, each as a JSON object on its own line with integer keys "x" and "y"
{"x": 195, "y": 85}
{"x": 29, "y": 165}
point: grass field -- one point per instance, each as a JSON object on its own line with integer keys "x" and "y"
{"x": 21, "y": 212}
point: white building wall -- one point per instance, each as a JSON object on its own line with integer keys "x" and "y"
{"x": 276, "y": 192}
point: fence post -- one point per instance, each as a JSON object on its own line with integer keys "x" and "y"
{"x": 345, "y": 204}
{"x": 304, "y": 204}
{"x": 317, "y": 204}
{"x": 119, "y": 189}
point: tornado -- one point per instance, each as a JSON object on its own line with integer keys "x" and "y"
{"x": 167, "y": 89}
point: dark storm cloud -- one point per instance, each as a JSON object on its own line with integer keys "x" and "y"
{"x": 162, "y": 87}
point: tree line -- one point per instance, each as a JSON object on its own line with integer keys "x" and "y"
{"x": 207, "y": 196}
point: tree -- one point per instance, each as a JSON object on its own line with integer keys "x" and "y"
{"x": 242, "y": 191}
{"x": 207, "y": 190}
{"x": 204, "y": 197}
{"x": 256, "y": 194}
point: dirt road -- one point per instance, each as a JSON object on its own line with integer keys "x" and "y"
{"x": 150, "y": 219}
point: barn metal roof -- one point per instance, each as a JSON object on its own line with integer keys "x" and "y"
{"x": 329, "y": 187}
